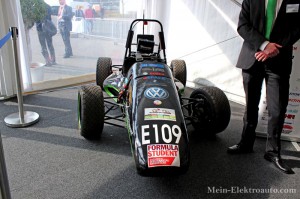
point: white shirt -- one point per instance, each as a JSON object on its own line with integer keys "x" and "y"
{"x": 60, "y": 13}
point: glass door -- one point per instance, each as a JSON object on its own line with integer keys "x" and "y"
{"x": 99, "y": 29}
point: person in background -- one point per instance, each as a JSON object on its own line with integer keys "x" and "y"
{"x": 102, "y": 12}
{"x": 79, "y": 12}
{"x": 64, "y": 18}
{"x": 269, "y": 28}
{"x": 89, "y": 16}
{"x": 46, "y": 40}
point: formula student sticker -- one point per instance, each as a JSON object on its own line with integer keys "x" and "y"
{"x": 163, "y": 155}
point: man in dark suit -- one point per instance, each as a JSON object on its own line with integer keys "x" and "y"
{"x": 266, "y": 54}
{"x": 64, "y": 18}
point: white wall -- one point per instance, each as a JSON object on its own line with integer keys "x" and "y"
{"x": 9, "y": 17}
{"x": 7, "y": 70}
{"x": 203, "y": 33}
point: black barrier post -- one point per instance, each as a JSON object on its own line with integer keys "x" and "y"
{"x": 4, "y": 185}
{"x": 23, "y": 118}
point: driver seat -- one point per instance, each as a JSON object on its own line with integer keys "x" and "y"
{"x": 145, "y": 44}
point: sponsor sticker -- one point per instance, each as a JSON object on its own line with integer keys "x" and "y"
{"x": 154, "y": 78}
{"x": 294, "y": 94}
{"x": 294, "y": 102}
{"x": 153, "y": 69}
{"x": 147, "y": 70}
{"x": 152, "y": 65}
{"x": 157, "y": 73}
{"x": 292, "y": 111}
{"x": 289, "y": 116}
{"x": 160, "y": 114}
{"x": 287, "y": 129}
{"x": 156, "y": 93}
{"x": 158, "y": 70}
{"x": 163, "y": 155}
{"x": 113, "y": 82}
{"x": 157, "y": 102}
{"x": 288, "y": 125}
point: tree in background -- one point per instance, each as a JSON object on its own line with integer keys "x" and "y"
{"x": 32, "y": 11}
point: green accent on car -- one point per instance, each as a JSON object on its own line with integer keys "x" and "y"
{"x": 181, "y": 91}
{"x": 109, "y": 93}
{"x": 127, "y": 124}
{"x": 79, "y": 111}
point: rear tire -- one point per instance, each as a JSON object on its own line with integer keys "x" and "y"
{"x": 179, "y": 70}
{"x": 212, "y": 113}
{"x": 103, "y": 70}
{"x": 90, "y": 112}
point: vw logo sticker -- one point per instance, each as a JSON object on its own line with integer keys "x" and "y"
{"x": 156, "y": 93}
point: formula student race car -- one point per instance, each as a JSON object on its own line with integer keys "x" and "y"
{"x": 149, "y": 95}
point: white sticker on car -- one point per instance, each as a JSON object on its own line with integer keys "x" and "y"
{"x": 163, "y": 155}
{"x": 160, "y": 114}
{"x": 165, "y": 134}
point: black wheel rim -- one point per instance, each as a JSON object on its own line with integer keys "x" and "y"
{"x": 200, "y": 112}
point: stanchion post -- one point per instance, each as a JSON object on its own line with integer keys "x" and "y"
{"x": 20, "y": 119}
{"x": 14, "y": 33}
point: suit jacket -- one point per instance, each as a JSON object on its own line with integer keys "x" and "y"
{"x": 67, "y": 18}
{"x": 251, "y": 27}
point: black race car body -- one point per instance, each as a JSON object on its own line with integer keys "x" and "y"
{"x": 149, "y": 94}
{"x": 154, "y": 118}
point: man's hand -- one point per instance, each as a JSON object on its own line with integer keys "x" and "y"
{"x": 261, "y": 56}
{"x": 271, "y": 50}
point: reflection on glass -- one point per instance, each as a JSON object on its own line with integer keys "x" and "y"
{"x": 99, "y": 30}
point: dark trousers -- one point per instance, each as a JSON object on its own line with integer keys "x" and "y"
{"x": 277, "y": 88}
{"x": 46, "y": 43}
{"x": 65, "y": 34}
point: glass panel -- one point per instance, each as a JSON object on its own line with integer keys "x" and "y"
{"x": 99, "y": 32}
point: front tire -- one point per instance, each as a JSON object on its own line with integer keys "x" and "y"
{"x": 104, "y": 69}
{"x": 209, "y": 110}
{"x": 90, "y": 112}
{"x": 179, "y": 70}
